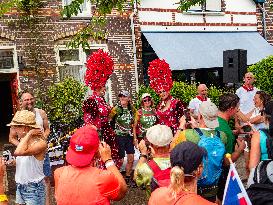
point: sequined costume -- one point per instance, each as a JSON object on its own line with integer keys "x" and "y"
{"x": 170, "y": 116}
{"x": 96, "y": 112}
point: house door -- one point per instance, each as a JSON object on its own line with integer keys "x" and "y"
{"x": 6, "y": 106}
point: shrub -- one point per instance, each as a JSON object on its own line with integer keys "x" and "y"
{"x": 264, "y": 74}
{"x": 182, "y": 91}
{"x": 64, "y": 104}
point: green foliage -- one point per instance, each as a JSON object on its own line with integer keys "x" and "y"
{"x": 27, "y": 6}
{"x": 95, "y": 30}
{"x": 214, "y": 93}
{"x": 97, "y": 26}
{"x": 183, "y": 91}
{"x": 184, "y": 5}
{"x": 64, "y": 102}
{"x": 146, "y": 89}
{"x": 6, "y": 6}
{"x": 264, "y": 74}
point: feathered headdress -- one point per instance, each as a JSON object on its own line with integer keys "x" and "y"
{"x": 99, "y": 68}
{"x": 160, "y": 75}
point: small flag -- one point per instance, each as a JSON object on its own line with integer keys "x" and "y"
{"x": 235, "y": 193}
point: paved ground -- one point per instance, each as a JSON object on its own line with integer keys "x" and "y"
{"x": 137, "y": 196}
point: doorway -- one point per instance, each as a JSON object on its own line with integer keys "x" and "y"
{"x": 6, "y": 106}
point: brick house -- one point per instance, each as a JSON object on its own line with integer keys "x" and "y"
{"x": 33, "y": 54}
{"x": 193, "y": 42}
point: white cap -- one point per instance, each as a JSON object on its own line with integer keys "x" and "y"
{"x": 145, "y": 95}
{"x": 159, "y": 135}
{"x": 209, "y": 112}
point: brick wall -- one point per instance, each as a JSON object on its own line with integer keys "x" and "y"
{"x": 268, "y": 21}
{"x": 36, "y": 45}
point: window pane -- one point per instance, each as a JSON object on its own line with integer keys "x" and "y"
{"x": 88, "y": 52}
{"x": 196, "y": 7}
{"x": 6, "y": 59}
{"x": 213, "y": 5}
{"x": 70, "y": 71}
{"x": 69, "y": 55}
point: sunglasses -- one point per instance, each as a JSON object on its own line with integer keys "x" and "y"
{"x": 161, "y": 91}
{"x": 147, "y": 100}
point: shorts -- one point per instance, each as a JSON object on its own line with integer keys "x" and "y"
{"x": 222, "y": 182}
{"x": 31, "y": 193}
{"x": 125, "y": 144}
{"x": 46, "y": 167}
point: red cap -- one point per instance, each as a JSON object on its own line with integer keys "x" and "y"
{"x": 84, "y": 143}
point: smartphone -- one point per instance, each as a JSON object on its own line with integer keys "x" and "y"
{"x": 247, "y": 128}
{"x": 187, "y": 114}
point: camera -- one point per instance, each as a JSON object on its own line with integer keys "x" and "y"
{"x": 7, "y": 155}
{"x": 187, "y": 115}
{"x": 247, "y": 128}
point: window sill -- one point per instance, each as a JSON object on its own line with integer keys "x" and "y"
{"x": 209, "y": 13}
{"x": 77, "y": 18}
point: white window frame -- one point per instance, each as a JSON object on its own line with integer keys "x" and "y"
{"x": 81, "y": 14}
{"x": 15, "y": 69}
{"x": 81, "y": 62}
{"x": 203, "y": 7}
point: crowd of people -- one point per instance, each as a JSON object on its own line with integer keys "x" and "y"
{"x": 182, "y": 147}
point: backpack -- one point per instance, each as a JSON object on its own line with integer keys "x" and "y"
{"x": 261, "y": 192}
{"x": 213, "y": 161}
{"x": 269, "y": 143}
{"x": 161, "y": 178}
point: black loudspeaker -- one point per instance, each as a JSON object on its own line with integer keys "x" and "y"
{"x": 234, "y": 65}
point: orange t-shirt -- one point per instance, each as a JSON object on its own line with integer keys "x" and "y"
{"x": 88, "y": 185}
{"x": 164, "y": 196}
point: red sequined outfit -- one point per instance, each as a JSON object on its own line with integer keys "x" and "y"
{"x": 96, "y": 112}
{"x": 170, "y": 116}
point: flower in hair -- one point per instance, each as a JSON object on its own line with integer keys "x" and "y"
{"x": 160, "y": 75}
{"x": 99, "y": 68}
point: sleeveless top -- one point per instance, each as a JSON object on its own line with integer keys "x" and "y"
{"x": 147, "y": 119}
{"x": 39, "y": 119}
{"x": 28, "y": 169}
{"x": 256, "y": 113}
{"x": 263, "y": 147}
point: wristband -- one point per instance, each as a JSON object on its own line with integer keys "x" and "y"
{"x": 107, "y": 160}
{"x": 3, "y": 197}
{"x": 109, "y": 164}
{"x": 143, "y": 155}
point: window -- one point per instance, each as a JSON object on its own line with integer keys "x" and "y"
{"x": 8, "y": 59}
{"x": 208, "y": 6}
{"x": 85, "y": 8}
{"x": 71, "y": 62}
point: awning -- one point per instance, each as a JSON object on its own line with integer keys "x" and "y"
{"x": 205, "y": 50}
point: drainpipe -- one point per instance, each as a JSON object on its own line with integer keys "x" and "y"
{"x": 262, "y": 8}
{"x": 134, "y": 42}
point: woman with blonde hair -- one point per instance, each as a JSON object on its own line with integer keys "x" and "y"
{"x": 186, "y": 160}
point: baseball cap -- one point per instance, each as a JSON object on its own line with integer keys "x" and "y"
{"x": 84, "y": 143}
{"x": 159, "y": 135}
{"x": 187, "y": 155}
{"x": 209, "y": 112}
{"x": 124, "y": 93}
{"x": 145, "y": 95}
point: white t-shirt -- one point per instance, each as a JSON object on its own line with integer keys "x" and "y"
{"x": 256, "y": 113}
{"x": 194, "y": 105}
{"x": 246, "y": 99}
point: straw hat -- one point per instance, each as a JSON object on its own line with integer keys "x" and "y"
{"x": 24, "y": 118}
